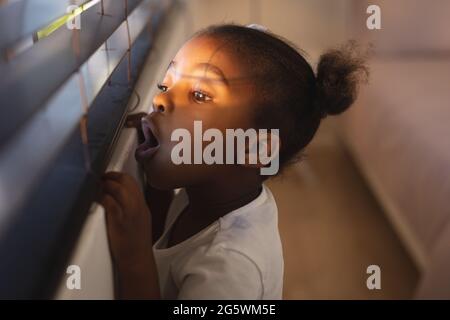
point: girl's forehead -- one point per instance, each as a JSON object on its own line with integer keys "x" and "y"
{"x": 210, "y": 53}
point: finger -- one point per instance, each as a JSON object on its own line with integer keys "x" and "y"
{"x": 113, "y": 218}
{"x": 110, "y": 205}
{"x": 134, "y": 120}
{"x": 123, "y": 178}
{"x": 141, "y": 135}
{"x": 117, "y": 191}
{"x": 127, "y": 181}
{"x": 114, "y": 175}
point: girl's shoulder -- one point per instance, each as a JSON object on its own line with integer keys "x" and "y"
{"x": 252, "y": 230}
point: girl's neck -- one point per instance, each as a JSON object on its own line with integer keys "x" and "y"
{"x": 220, "y": 197}
{"x": 210, "y": 201}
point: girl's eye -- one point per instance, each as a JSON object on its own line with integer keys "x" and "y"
{"x": 161, "y": 87}
{"x": 200, "y": 96}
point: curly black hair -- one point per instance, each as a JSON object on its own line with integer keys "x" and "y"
{"x": 291, "y": 97}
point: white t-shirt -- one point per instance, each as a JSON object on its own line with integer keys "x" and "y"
{"x": 239, "y": 256}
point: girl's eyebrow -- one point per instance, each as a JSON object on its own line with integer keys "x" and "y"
{"x": 214, "y": 69}
{"x": 171, "y": 65}
{"x": 208, "y": 67}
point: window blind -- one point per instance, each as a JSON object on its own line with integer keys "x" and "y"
{"x": 64, "y": 94}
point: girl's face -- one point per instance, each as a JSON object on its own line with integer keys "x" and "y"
{"x": 204, "y": 82}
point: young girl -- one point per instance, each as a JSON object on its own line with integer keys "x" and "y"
{"x": 218, "y": 237}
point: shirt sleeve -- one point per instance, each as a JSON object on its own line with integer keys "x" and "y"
{"x": 221, "y": 274}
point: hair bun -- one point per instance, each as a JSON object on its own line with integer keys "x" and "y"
{"x": 339, "y": 73}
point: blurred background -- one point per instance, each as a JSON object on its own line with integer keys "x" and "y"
{"x": 374, "y": 186}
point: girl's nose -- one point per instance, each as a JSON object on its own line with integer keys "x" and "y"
{"x": 161, "y": 102}
{"x": 159, "y": 108}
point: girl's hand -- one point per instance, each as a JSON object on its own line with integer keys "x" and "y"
{"x": 135, "y": 121}
{"x": 129, "y": 229}
{"x": 128, "y": 219}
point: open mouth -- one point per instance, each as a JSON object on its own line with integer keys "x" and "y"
{"x": 151, "y": 143}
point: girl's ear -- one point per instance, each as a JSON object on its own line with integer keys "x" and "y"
{"x": 261, "y": 152}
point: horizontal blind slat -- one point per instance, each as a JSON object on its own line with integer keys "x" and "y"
{"x": 30, "y": 79}
{"x": 45, "y": 133}
{"x": 23, "y": 17}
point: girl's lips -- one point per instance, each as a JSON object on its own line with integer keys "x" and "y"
{"x": 148, "y": 148}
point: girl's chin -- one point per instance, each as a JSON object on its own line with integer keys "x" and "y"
{"x": 157, "y": 180}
